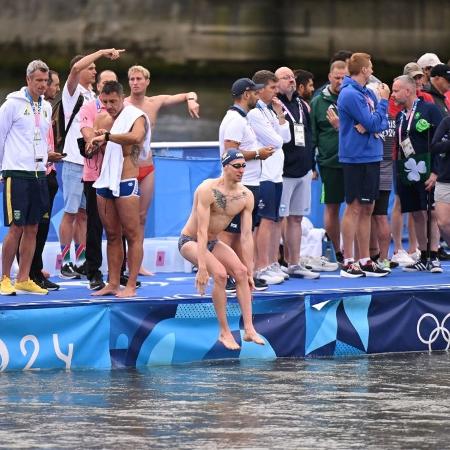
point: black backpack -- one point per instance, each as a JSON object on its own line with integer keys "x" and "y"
{"x": 58, "y": 122}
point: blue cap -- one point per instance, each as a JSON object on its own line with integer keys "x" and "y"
{"x": 244, "y": 84}
{"x": 230, "y": 156}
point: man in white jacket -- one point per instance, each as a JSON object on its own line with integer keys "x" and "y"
{"x": 25, "y": 122}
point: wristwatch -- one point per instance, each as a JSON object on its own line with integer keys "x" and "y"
{"x": 257, "y": 154}
{"x": 107, "y": 133}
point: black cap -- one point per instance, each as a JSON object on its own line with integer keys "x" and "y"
{"x": 441, "y": 70}
{"x": 244, "y": 84}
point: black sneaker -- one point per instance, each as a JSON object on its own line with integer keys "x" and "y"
{"x": 418, "y": 266}
{"x": 434, "y": 266}
{"x": 81, "y": 269}
{"x": 352, "y": 270}
{"x": 443, "y": 255}
{"x": 230, "y": 287}
{"x": 372, "y": 269}
{"x": 393, "y": 264}
{"x": 96, "y": 282}
{"x": 44, "y": 283}
{"x": 260, "y": 285}
{"x": 69, "y": 272}
{"x": 124, "y": 281}
{"x": 340, "y": 257}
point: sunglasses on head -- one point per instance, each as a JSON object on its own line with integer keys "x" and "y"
{"x": 238, "y": 166}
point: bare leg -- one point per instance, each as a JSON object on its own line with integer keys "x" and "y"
{"x": 397, "y": 224}
{"x": 128, "y": 209}
{"x": 275, "y": 242}
{"x": 383, "y": 234}
{"x": 9, "y": 248}
{"x": 263, "y": 241}
{"x": 114, "y": 250}
{"x": 412, "y": 235}
{"x": 332, "y": 226}
{"x": 374, "y": 248}
{"x": 26, "y": 251}
{"x": 146, "y": 187}
{"x": 293, "y": 238}
{"x": 66, "y": 229}
{"x": 350, "y": 223}
{"x": 219, "y": 275}
{"x": 363, "y": 230}
{"x": 79, "y": 227}
{"x": 443, "y": 219}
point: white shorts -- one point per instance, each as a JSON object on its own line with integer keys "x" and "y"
{"x": 442, "y": 192}
{"x": 296, "y": 196}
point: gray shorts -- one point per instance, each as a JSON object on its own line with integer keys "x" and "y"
{"x": 296, "y": 196}
{"x": 185, "y": 238}
{"x": 442, "y": 192}
{"x": 72, "y": 187}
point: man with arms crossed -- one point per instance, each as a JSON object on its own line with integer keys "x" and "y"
{"x": 361, "y": 120}
{"x": 127, "y": 129}
{"x": 139, "y": 81}
{"x": 216, "y": 202}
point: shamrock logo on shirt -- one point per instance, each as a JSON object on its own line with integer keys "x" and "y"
{"x": 422, "y": 125}
{"x": 414, "y": 169}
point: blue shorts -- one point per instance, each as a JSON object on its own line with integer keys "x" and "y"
{"x": 235, "y": 224}
{"x": 128, "y": 188}
{"x": 269, "y": 200}
{"x": 72, "y": 186}
{"x": 25, "y": 201}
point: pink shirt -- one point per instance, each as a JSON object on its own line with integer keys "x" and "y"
{"x": 88, "y": 113}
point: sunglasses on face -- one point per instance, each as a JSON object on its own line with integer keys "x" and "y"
{"x": 238, "y": 166}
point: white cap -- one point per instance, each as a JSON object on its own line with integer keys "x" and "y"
{"x": 428, "y": 60}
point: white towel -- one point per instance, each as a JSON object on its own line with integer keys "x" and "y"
{"x": 111, "y": 172}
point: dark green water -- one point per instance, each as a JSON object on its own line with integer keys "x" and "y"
{"x": 396, "y": 401}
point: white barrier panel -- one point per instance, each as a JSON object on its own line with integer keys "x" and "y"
{"x": 160, "y": 255}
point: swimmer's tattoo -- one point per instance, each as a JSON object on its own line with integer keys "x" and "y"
{"x": 221, "y": 200}
{"x": 243, "y": 194}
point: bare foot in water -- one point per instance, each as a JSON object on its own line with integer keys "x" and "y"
{"x": 253, "y": 337}
{"x": 229, "y": 342}
{"x": 107, "y": 290}
{"x": 126, "y": 292}
{"x": 144, "y": 272}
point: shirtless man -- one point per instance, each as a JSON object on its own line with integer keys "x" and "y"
{"x": 216, "y": 202}
{"x": 139, "y": 80}
{"x": 118, "y": 203}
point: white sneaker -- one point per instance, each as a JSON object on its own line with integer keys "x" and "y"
{"x": 402, "y": 258}
{"x": 268, "y": 276}
{"x": 318, "y": 264}
{"x": 416, "y": 255}
{"x": 276, "y": 268}
{"x": 299, "y": 271}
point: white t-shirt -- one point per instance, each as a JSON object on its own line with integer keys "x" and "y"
{"x": 236, "y": 128}
{"x": 269, "y": 132}
{"x": 69, "y": 102}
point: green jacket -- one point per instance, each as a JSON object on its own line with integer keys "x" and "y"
{"x": 325, "y": 137}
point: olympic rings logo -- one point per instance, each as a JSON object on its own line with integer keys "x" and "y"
{"x": 440, "y": 329}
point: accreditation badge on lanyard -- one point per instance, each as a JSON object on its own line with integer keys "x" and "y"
{"x": 406, "y": 144}
{"x": 299, "y": 127}
{"x": 36, "y": 107}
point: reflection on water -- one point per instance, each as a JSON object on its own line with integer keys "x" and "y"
{"x": 174, "y": 122}
{"x": 395, "y": 401}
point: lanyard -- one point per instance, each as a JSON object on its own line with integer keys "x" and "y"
{"x": 411, "y": 116}
{"x": 98, "y": 104}
{"x": 300, "y": 111}
{"x": 271, "y": 115}
{"x": 36, "y": 112}
{"x": 239, "y": 110}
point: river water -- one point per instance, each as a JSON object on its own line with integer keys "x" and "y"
{"x": 383, "y": 401}
{"x": 389, "y": 401}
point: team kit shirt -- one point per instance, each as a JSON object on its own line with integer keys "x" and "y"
{"x": 270, "y": 133}
{"x": 69, "y": 102}
{"x": 235, "y": 127}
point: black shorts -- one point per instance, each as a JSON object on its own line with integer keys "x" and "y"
{"x": 333, "y": 191}
{"x": 361, "y": 182}
{"x": 269, "y": 200}
{"x": 25, "y": 201}
{"x": 382, "y": 204}
{"x": 235, "y": 224}
{"x": 413, "y": 197}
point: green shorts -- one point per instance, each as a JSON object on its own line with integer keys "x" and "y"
{"x": 332, "y": 185}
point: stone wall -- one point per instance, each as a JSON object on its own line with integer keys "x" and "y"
{"x": 226, "y": 31}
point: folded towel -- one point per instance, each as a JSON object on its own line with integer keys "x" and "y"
{"x": 112, "y": 165}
